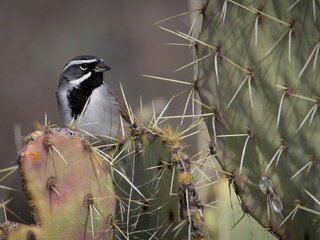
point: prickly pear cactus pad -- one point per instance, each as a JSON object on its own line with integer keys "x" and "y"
{"x": 157, "y": 197}
{"x": 69, "y": 188}
{"x": 257, "y": 70}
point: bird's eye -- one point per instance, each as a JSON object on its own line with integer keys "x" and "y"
{"x": 84, "y": 66}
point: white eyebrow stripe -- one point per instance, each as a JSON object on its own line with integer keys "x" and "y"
{"x": 74, "y": 62}
{"x": 76, "y": 82}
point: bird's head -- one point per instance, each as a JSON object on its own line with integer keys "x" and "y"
{"x": 85, "y": 70}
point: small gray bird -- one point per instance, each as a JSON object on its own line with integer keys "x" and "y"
{"x": 84, "y": 98}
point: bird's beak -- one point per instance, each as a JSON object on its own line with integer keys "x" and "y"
{"x": 101, "y": 67}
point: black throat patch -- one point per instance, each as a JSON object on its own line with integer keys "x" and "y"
{"x": 79, "y": 95}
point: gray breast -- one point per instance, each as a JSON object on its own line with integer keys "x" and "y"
{"x": 101, "y": 116}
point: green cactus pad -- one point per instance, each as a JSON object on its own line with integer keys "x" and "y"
{"x": 257, "y": 71}
{"x": 157, "y": 198}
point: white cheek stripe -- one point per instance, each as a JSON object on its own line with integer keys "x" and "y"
{"x": 76, "y": 82}
{"x": 78, "y": 62}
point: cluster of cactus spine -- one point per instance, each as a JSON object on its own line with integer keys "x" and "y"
{"x": 159, "y": 199}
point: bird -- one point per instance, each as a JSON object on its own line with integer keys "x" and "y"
{"x": 86, "y": 99}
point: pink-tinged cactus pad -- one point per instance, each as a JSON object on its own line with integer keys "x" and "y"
{"x": 69, "y": 188}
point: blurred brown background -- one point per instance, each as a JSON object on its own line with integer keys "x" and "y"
{"x": 38, "y": 37}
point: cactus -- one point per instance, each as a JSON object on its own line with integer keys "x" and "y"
{"x": 256, "y": 70}
{"x": 69, "y": 188}
{"x": 71, "y": 196}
